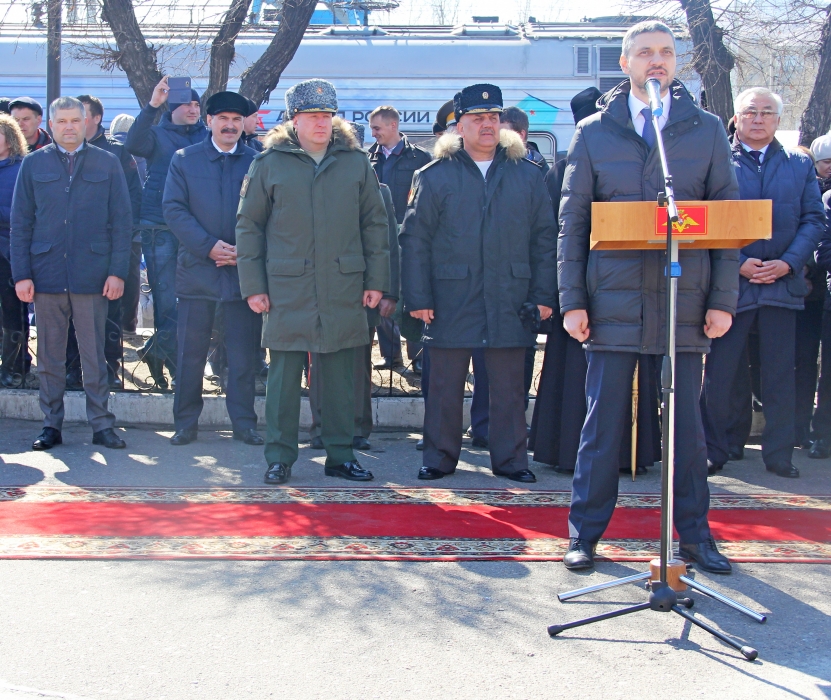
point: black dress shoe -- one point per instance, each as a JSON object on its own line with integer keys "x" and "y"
{"x": 74, "y": 381}
{"x": 523, "y": 476}
{"x": 316, "y": 443}
{"x": 713, "y": 468}
{"x": 563, "y": 470}
{"x": 249, "y": 436}
{"x": 735, "y": 454}
{"x": 639, "y": 470}
{"x": 431, "y": 474}
{"x": 420, "y": 445}
{"x": 360, "y": 443}
{"x": 387, "y": 363}
{"x": 113, "y": 379}
{"x": 47, "y": 439}
{"x": 184, "y": 437}
{"x": 108, "y": 438}
{"x": 706, "y": 555}
{"x": 479, "y": 442}
{"x": 417, "y": 366}
{"x": 277, "y": 473}
{"x": 351, "y": 471}
{"x": 820, "y": 449}
{"x": 786, "y": 469}
{"x": 580, "y": 554}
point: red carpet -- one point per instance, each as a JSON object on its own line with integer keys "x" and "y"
{"x": 420, "y": 524}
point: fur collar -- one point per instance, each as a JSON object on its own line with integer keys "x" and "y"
{"x": 448, "y": 145}
{"x": 342, "y": 135}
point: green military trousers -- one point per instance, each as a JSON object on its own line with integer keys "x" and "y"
{"x": 282, "y": 405}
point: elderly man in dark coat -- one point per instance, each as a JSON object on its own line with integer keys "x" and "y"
{"x": 477, "y": 263}
{"x": 772, "y": 284}
{"x": 313, "y": 251}
{"x": 201, "y": 197}
{"x": 70, "y": 249}
{"x": 612, "y": 301}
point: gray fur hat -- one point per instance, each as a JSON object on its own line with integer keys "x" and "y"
{"x": 311, "y": 96}
{"x": 360, "y": 131}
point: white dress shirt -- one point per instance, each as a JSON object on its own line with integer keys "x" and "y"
{"x": 763, "y": 150}
{"x": 233, "y": 150}
{"x": 635, "y": 107}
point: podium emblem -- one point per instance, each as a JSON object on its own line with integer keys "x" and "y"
{"x": 692, "y": 221}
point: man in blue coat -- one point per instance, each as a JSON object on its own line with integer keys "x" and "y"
{"x": 201, "y": 197}
{"x": 180, "y": 127}
{"x": 772, "y": 284}
{"x": 70, "y": 249}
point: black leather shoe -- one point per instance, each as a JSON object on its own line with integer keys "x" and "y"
{"x": 277, "y": 473}
{"x": 523, "y": 476}
{"x": 108, "y": 438}
{"x": 706, "y": 555}
{"x": 74, "y": 381}
{"x": 580, "y": 554}
{"x": 713, "y": 468}
{"x": 47, "y": 439}
{"x": 417, "y": 366}
{"x": 820, "y": 449}
{"x": 316, "y": 443}
{"x": 249, "y": 436}
{"x": 351, "y": 471}
{"x": 735, "y": 454}
{"x": 388, "y": 364}
{"x": 563, "y": 470}
{"x": 420, "y": 445}
{"x": 430, "y": 474}
{"x": 360, "y": 443}
{"x": 639, "y": 471}
{"x": 184, "y": 437}
{"x": 786, "y": 469}
{"x": 479, "y": 442}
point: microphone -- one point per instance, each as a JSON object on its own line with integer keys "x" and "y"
{"x": 653, "y": 89}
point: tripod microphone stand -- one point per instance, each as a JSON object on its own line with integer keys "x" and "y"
{"x": 667, "y": 574}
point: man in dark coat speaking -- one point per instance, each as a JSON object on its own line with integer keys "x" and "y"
{"x": 613, "y": 301}
{"x": 201, "y": 197}
{"x": 477, "y": 252}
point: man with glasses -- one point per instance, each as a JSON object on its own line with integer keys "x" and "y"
{"x": 771, "y": 284}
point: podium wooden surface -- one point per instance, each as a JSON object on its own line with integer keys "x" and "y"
{"x": 716, "y": 224}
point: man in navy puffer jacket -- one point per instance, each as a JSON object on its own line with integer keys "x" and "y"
{"x": 179, "y": 128}
{"x": 771, "y": 285}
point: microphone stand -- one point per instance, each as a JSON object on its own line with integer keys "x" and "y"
{"x": 667, "y": 575}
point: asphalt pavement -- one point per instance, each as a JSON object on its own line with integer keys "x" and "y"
{"x": 358, "y": 629}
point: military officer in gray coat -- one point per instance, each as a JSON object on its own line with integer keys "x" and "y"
{"x": 612, "y": 301}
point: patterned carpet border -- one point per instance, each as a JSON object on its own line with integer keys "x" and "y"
{"x": 378, "y": 548}
{"x": 385, "y": 496}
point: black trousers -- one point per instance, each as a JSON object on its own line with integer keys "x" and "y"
{"x": 776, "y": 354}
{"x": 822, "y": 414}
{"x": 15, "y": 323}
{"x": 808, "y": 334}
{"x": 595, "y": 485}
{"x": 242, "y": 332}
{"x": 443, "y": 409}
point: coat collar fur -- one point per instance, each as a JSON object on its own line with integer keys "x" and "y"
{"x": 283, "y": 137}
{"x": 450, "y": 144}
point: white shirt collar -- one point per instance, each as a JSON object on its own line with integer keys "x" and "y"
{"x": 233, "y": 150}
{"x": 761, "y": 150}
{"x": 636, "y": 105}
{"x": 63, "y": 150}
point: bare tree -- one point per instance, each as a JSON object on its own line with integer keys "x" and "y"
{"x": 816, "y": 119}
{"x": 222, "y": 47}
{"x": 262, "y": 77}
{"x": 445, "y": 11}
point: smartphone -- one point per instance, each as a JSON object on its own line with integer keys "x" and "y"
{"x": 179, "y": 90}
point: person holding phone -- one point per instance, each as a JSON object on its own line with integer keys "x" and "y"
{"x": 181, "y": 126}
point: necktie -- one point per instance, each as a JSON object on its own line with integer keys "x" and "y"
{"x": 648, "y": 127}
{"x": 757, "y": 156}
{"x": 71, "y": 157}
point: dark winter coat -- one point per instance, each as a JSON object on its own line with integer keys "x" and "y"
{"x": 201, "y": 197}
{"x": 624, "y": 290}
{"x": 373, "y": 316}
{"x": 128, "y": 164}
{"x": 789, "y": 179}
{"x": 476, "y": 251}
{"x": 157, "y": 144}
{"x": 70, "y": 236}
{"x": 823, "y": 254}
{"x": 44, "y": 139}
{"x": 314, "y": 238}
{"x": 8, "y": 175}
{"x": 252, "y": 142}
{"x": 400, "y": 180}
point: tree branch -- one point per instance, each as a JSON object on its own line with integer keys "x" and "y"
{"x": 816, "y": 119}
{"x": 222, "y": 47}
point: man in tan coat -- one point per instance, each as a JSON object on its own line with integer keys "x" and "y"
{"x": 312, "y": 252}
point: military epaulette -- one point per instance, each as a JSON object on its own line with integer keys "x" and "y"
{"x": 531, "y": 162}
{"x": 429, "y": 165}
{"x": 264, "y": 153}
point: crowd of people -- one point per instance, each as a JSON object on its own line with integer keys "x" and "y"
{"x": 306, "y": 245}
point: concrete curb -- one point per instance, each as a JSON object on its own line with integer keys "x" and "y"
{"x": 389, "y": 413}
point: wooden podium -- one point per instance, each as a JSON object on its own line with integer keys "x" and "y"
{"x": 716, "y": 224}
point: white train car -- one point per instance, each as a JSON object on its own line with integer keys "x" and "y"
{"x": 539, "y": 67}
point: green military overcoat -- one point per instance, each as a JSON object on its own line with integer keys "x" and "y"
{"x": 313, "y": 238}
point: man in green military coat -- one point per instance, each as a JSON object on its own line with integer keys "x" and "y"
{"x": 312, "y": 252}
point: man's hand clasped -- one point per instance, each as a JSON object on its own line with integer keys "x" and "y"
{"x": 758, "y": 271}
{"x": 223, "y": 254}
